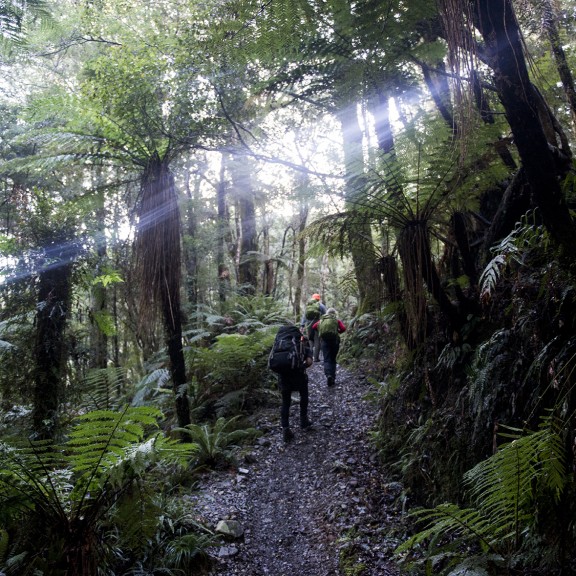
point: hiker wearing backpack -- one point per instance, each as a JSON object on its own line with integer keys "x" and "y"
{"x": 312, "y": 312}
{"x": 290, "y": 356}
{"x": 329, "y": 328}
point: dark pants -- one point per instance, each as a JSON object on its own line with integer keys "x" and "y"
{"x": 330, "y": 348}
{"x": 314, "y": 338}
{"x": 288, "y": 383}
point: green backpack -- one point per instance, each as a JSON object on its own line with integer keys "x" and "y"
{"x": 328, "y": 328}
{"x": 312, "y": 310}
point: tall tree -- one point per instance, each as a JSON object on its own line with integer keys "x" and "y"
{"x": 550, "y": 10}
{"x": 54, "y": 228}
{"x": 132, "y": 112}
{"x": 222, "y": 232}
{"x": 241, "y": 173}
{"x": 99, "y": 300}
{"x": 159, "y": 259}
{"x": 499, "y": 27}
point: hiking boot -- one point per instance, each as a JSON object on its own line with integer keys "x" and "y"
{"x": 287, "y": 434}
{"x": 306, "y": 424}
{"x": 330, "y": 381}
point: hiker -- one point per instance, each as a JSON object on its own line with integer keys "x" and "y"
{"x": 291, "y": 355}
{"x": 312, "y": 312}
{"x": 329, "y": 328}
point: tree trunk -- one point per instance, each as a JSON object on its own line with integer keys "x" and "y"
{"x": 551, "y": 25}
{"x": 244, "y": 193}
{"x": 391, "y": 280}
{"x": 267, "y": 281}
{"x": 301, "y": 260}
{"x": 514, "y": 204}
{"x": 298, "y": 250}
{"x": 54, "y": 294}
{"x": 159, "y": 259}
{"x": 497, "y": 22}
{"x": 383, "y": 127}
{"x": 414, "y": 250}
{"x": 222, "y": 233}
{"x": 191, "y": 254}
{"x": 99, "y": 296}
{"x": 362, "y": 247}
{"x": 440, "y": 90}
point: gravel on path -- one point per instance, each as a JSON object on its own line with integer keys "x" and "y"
{"x": 317, "y": 506}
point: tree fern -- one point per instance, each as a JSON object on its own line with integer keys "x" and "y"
{"x": 506, "y": 490}
{"x": 65, "y": 494}
{"x": 16, "y": 20}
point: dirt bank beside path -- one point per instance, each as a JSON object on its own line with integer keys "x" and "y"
{"x": 314, "y": 507}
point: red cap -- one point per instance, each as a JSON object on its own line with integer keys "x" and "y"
{"x": 316, "y": 297}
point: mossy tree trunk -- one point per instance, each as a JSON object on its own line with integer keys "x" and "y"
{"x": 99, "y": 295}
{"x": 191, "y": 244}
{"x": 300, "y": 259}
{"x": 222, "y": 234}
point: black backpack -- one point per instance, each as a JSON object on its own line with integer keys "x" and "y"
{"x": 287, "y": 352}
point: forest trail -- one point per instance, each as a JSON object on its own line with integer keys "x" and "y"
{"x": 315, "y": 507}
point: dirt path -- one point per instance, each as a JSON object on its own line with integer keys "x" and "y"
{"x": 314, "y": 507}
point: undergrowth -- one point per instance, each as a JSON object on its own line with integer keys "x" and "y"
{"x": 442, "y": 414}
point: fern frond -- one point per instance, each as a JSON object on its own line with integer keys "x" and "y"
{"x": 154, "y": 382}
{"x": 103, "y": 387}
{"x": 445, "y": 520}
{"x": 505, "y": 485}
{"x": 215, "y": 441}
{"x": 105, "y": 434}
{"x": 525, "y": 237}
{"x": 505, "y": 490}
{"x": 490, "y": 276}
{"x": 4, "y": 346}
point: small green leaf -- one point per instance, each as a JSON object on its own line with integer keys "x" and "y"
{"x": 109, "y": 277}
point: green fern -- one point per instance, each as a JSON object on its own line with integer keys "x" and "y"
{"x": 489, "y": 360}
{"x": 103, "y": 388}
{"x": 505, "y": 491}
{"x": 215, "y": 441}
{"x": 235, "y": 362}
{"x": 525, "y": 237}
{"x": 154, "y": 384}
{"x": 255, "y": 312}
{"x": 167, "y": 541}
{"x": 59, "y": 498}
